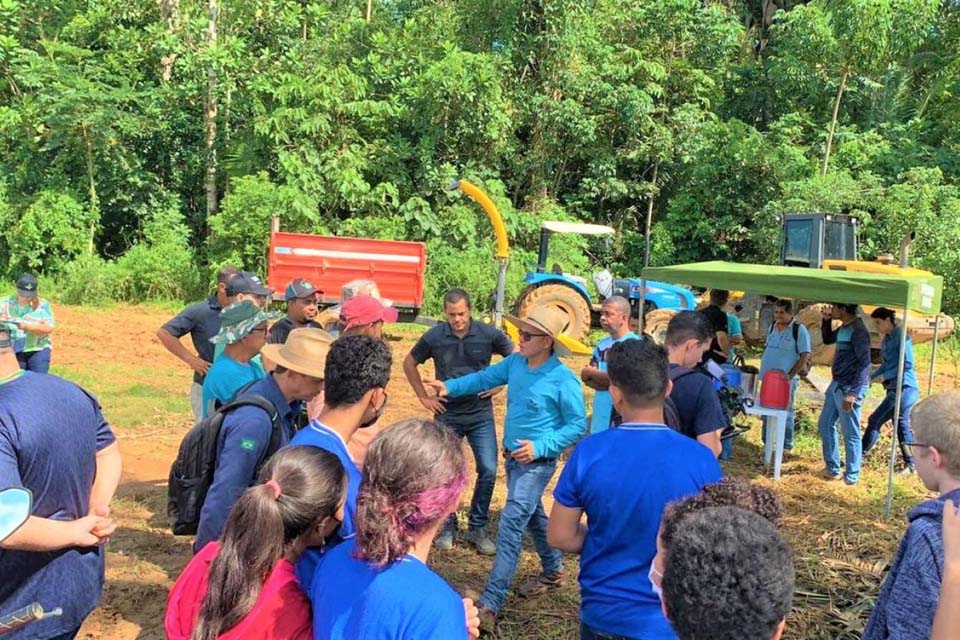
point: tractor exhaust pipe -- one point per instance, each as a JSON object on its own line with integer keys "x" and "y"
{"x": 905, "y": 248}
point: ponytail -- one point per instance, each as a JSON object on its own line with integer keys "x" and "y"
{"x": 414, "y": 473}
{"x": 301, "y": 486}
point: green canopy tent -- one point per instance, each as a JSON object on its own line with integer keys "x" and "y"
{"x": 908, "y": 292}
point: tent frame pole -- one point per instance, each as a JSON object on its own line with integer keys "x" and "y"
{"x": 896, "y": 411}
{"x": 933, "y": 356}
{"x": 643, "y": 303}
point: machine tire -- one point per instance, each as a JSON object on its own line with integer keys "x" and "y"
{"x": 563, "y": 298}
{"x": 809, "y": 317}
{"x": 655, "y": 324}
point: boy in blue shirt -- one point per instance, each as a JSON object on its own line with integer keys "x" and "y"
{"x": 618, "y": 545}
{"x": 357, "y": 371}
{"x": 615, "y": 320}
{"x": 545, "y": 415}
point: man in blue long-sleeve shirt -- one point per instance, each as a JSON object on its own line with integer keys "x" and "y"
{"x": 545, "y": 415}
{"x": 844, "y": 397}
{"x": 245, "y": 434}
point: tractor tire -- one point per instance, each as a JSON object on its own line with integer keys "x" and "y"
{"x": 655, "y": 324}
{"x": 810, "y": 317}
{"x": 564, "y": 299}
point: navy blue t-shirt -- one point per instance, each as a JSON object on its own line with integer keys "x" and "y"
{"x": 697, "y": 402}
{"x": 622, "y": 479}
{"x": 352, "y": 600}
{"x": 202, "y": 321}
{"x": 50, "y": 433}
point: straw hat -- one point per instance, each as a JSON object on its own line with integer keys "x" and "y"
{"x": 305, "y": 351}
{"x": 542, "y": 319}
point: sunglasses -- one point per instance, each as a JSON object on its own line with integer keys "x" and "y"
{"x": 526, "y": 335}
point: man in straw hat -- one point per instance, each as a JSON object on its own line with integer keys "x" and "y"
{"x": 545, "y": 415}
{"x": 245, "y": 434}
{"x": 243, "y": 331}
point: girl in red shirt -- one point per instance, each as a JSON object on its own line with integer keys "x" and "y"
{"x": 244, "y": 585}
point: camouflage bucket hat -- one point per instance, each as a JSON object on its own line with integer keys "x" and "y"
{"x": 239, "y": 319}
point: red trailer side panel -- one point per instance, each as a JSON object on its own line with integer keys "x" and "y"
{"x": 329, "y": 262}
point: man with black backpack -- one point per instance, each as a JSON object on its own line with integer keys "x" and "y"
{"x": 248, "y": 434}
{"x": 788, "y": 349}
{"x": 693, "y": 407}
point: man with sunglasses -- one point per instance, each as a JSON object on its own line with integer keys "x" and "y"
{"x": 908, "y": 598}
{"x": 545, "y": 415}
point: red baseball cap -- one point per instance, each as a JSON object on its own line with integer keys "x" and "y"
{"x": 362, "y": 310}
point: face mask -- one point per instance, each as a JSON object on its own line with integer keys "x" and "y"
{"x": 657, "y": 589}
{"x": 376, "y": 415}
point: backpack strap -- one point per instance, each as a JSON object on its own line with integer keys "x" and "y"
{"x": 796, "y": 335}
{"x": 256, "y": 400}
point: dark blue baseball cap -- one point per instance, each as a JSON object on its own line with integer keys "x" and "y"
{"x": 246, "y": 282}
{"x": 27, "y": 286}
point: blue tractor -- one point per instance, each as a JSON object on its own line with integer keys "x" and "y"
{"x": 571, "y": 293}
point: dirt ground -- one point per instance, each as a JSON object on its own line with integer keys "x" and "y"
{"x": 842, "y": 543}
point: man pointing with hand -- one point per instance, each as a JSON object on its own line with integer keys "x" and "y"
{"x": 545, "y": 415}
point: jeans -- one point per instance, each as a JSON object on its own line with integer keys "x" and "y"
{"x": 586, "y": 633}
{"x": 884, "y": 413}
{"x": 482, "y": 437}
{"x": 36, "y": 361}
{"x": 849, "y": 425}
{"x": 523, "y": 510}
{"x": 788, "y": 434}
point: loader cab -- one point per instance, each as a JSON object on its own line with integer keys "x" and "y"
{"x": 807, "y": 239}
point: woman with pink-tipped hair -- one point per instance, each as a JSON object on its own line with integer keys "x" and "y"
{"x": 379, "y": 585}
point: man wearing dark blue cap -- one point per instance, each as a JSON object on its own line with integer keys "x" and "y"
{"x": 301, "y": 297}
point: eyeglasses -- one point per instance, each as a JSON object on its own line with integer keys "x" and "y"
{"x": 526, "y": 335}
{"x": 912, "y": 446}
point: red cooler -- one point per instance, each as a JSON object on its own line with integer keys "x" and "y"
{"x": 775, "y": 390}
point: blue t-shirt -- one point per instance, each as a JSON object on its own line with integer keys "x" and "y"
{"x": 50, "y": 433}
{"x": 697, "y": 402}
{"x": 734, "y": 330}
{"x": 352, "y": 600}
{"x": 321, "y": 436}
{"x": 602, "y": 403}
{"x": 623, "y": 518}
{"x": 782, "y": 351}
{"x": 225, "y": 377}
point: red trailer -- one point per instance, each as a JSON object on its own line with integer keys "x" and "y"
{"x": 329, "y": 262}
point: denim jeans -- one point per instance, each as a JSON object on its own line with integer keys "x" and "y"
{"x": 849, "y": 426}
{"x": 586, "y": 633}
{"x": 884, "y": 413}
{"x": 788, "y": 437}
{"x": 523, "y": 510}
{"x": 36, "y": 361}
{"x": 482, "y": 437}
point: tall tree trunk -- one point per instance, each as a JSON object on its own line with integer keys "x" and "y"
{"x": 369, "y": 10}
{"x": 649, "y": 221}
{"x": 170, "y": 14}
{"x": 94, "y": 199}
{"x": 210, "y": 115}
{"x": 833, "y": 120}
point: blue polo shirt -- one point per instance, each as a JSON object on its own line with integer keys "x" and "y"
{"x": 50, "y": 433}
{"x": 225, "y": 378}
{"x": 623, "y": 517}
{"x": 602, "y": 403}
{"x": 890, "y": 350}
{"x": 781, "y": 351}
{"x": 202, "y": 321}
{"x": 241, "y": 449}
{"x": 544, "y": 405}
{"x": 319, "y": 435}
{"x": 353, "y": 600}
{"x": 454, "y": 356}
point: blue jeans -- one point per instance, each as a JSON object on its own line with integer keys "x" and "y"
{"x": 586, "y": 633}
{"x": 849, "y": 425}
{"x": 523, "y": 510}
{"x": 36, "y": 361}
{"x": 482, "y": 437}
{"x": 884, "y": 413}
{"x": 788, "y": 437}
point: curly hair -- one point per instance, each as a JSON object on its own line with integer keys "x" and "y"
{"x": 728, "y": 492}
{"x": 413, "y": 475}
{"x": 730, "y": 576}
{"x": 355, "y": 365}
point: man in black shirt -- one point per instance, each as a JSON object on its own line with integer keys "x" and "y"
{"x": 720, "y": 346}
{"x": 202, "y": 321}
{"x": 460, "y": 346}
{"x": 301, "y": 298}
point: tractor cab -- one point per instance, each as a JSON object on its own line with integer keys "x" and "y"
{"x": 807, "y": 239}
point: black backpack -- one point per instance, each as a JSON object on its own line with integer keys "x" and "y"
{"x": 671, "y": 416}
{"x": 191, "y": 474}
